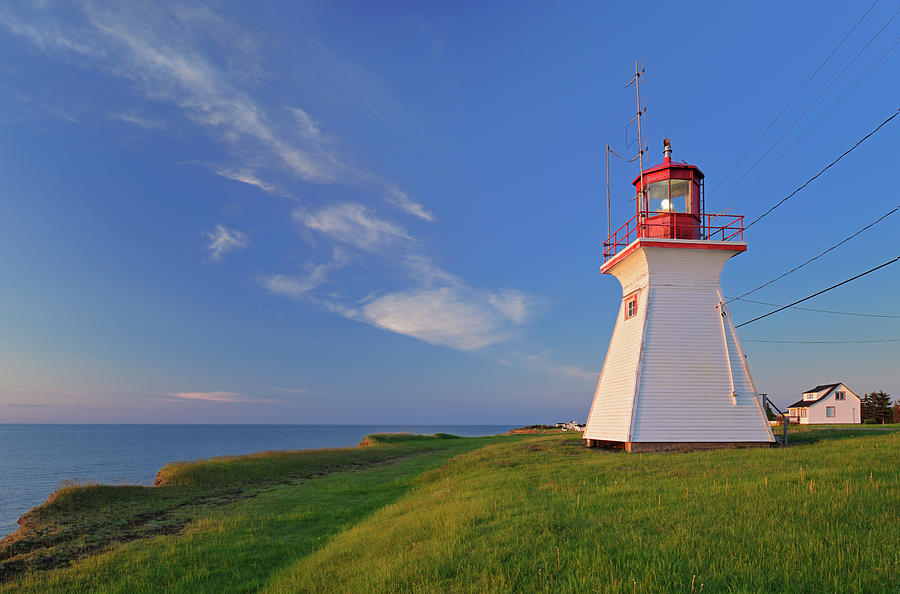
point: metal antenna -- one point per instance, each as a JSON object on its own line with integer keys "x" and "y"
{"x": 608, "y": 151}
{"x": 640, "y": 113}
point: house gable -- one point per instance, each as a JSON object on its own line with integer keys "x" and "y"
{"x": 838, "y": 407}
{"x": 821, "y": 391}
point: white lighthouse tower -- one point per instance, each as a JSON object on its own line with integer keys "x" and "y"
{"x": 675, "y": 376}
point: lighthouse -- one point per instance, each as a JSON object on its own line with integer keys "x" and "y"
{"x": 675, "y": 375}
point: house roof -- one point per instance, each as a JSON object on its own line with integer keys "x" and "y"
{"x": 822, "y": 387}
{"x": 804, "y": 403}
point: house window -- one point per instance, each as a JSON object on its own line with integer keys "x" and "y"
{"x": 810, "y": 396}
{"x": 839, "y": 396}
{"x": 803, "y": 412}
{"x": 829, "y": 411}
{"x": 630, "y": 306}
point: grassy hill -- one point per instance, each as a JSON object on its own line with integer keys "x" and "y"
{"x": 506, "y": 513}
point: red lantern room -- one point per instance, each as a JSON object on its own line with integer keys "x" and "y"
{"x": 671, "y": 203}
{"x": 670, "y": 206}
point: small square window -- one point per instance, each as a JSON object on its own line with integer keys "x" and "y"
{"x": 829, "y": 411}
{"x": 839, "y": 396}
{"x": 630, "y": 306}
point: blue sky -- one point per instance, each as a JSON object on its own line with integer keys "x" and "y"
{"x": 393, "y": 212}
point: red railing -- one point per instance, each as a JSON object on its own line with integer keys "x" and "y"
{"x": 705, "y": 226}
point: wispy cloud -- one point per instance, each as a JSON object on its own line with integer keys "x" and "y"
{"x": 542, "y": 362}
{"x": 223, "y": 240}
{"x": 246, "y": 176}
{"x": 439, "y": 307}
{"x": 576, "y": 372}
{"x": 141, "y": 122}
{"x": 290, "y": 390}
{"x": 220, "y": 397}
{"x": 351, "y": 224}
{"x": 309, "y": 128}
{"x": 457, "y": 317}
{"x": 298, "y": 286}
{"x": 188, "y": 57}
{"x": 401, "y": 200}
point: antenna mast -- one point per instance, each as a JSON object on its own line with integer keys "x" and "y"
{"x": 640, "y": 113}
{"x": 608, "y": 151}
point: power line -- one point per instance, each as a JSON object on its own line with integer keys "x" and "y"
{"x": 810, "y": 106}
{"x": 794, "y": 98}
{"x": 824, "y": 169}
{"x": 828, "y": 311}
{"x": 813, "y": 259}
{"x": 774, "y": 311}
{"x": 825, "y": 341}
{"x": 810, "y": 129}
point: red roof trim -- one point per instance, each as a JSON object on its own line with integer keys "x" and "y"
{"x": 731, "y": 246}
{"x": 663, "y": 166}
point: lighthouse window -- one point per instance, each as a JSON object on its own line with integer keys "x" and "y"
{"x": 659, "y": 196}
{"x": 670, "y": 195}
{"x": 630, "y": 306}
{"x": 679, "y": 195}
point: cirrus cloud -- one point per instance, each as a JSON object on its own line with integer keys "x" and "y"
{"x": 457, "y": 317}
{"x": 221, "y": 397}
{"x": 223, "y": 240}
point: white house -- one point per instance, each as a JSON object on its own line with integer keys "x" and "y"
{"x": 830, "y": 403}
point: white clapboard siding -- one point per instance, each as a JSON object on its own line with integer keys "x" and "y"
{"x": 610, "y": 414}
{"x": 682, "y": 376}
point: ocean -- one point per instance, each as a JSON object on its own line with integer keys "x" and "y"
{"x": 36, "y": 459}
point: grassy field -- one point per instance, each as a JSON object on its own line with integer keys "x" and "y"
{"x": 522, "y": 513}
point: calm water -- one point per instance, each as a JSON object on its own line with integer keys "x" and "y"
{"x": 36, "y": 459}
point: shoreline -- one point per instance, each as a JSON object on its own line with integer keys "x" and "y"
{"x": 40, "y": 458}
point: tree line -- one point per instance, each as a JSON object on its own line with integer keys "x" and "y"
{"x": 876, "y": 407}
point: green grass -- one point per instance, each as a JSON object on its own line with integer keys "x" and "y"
{"x": 760, "y": 520}
{"x": 83, "y": 519}
{"x": 383, "y": 438}
{"x": 533, "y": 513}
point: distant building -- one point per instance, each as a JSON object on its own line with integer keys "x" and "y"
{"x": 828, "y": 403}
{"x": 570, "y": 426}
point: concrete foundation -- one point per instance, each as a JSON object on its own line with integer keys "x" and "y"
{"x": 673, "y": 446}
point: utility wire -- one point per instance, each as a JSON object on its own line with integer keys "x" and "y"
{"x": 828, "y": 311}
{"x": 814, "y": 258}
{"x": 794, "y": 98}
{"x": 825, "y": 341}
{"x": 774, "y": 311}
{"x": 824, "y": 169}
{"x": 810, "y": 106}
{"x": 810, "y": 129}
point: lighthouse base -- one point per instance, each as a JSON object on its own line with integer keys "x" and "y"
{"x": 637, "y": 447}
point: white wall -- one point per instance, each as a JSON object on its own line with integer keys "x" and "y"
{"x": 692, "y": 362}
{"x": 845, "y": 411}
{"x": 670, "y": 371}
{"x": 610, "y": 415}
